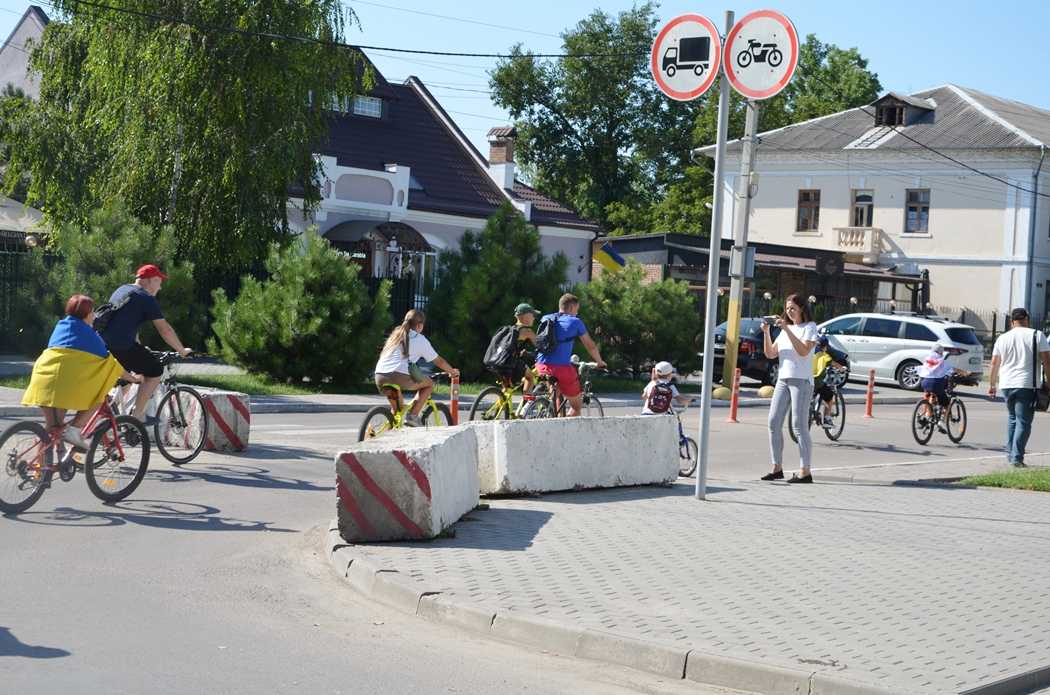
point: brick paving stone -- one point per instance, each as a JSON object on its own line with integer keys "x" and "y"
{"x": 926, "y": 588}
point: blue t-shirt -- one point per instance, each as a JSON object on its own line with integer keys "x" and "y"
{"x": 74, "y": 334}
{"x": 123, "y": 328}
{"x": 569, "y": 328}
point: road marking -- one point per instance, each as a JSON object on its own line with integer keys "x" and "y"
{"x": 330, "y": 430}
{"x": 926, "y": 461}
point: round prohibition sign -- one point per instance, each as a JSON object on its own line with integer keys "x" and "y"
{"x": 761, "y": 54}
{"x": 686, "y": 57}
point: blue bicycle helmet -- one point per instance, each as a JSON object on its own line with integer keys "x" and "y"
{"x": 822, "y": 341}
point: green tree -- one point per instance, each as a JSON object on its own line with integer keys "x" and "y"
{"x": 95, "y": 261}
{"x": 194, "y": 127}
{"x": 313, "y": 318}
{"x": 636, "y": 324}
{"x": 479, "y": 286}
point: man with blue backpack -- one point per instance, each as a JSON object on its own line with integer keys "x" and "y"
{"x": 555, "y": 339}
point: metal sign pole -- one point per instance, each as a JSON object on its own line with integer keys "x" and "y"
{"x": 714, "y": 259}
{"x": 742, "y": 212}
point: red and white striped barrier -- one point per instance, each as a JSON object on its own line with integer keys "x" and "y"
{"x": 229, "y": 420}
{"x": 412, "y": 486}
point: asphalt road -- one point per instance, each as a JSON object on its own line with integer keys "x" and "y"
{"x": 210, "y": 579}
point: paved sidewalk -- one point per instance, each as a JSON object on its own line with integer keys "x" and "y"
{"x": 904, "y": 589}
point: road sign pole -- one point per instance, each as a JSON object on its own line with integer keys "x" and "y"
{"x": 713, "y": 262}
{"x": 742, "y": 210}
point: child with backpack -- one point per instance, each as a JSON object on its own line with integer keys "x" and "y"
{"x": 660, "y": 393}
{"x": 508, "y": 355}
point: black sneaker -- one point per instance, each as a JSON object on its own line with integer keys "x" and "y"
{"x": 775, "y": 475}
{"x": 1018, "y": 464}
{"x": 808, "y": 478}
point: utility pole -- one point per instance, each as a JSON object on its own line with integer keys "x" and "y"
{"x": 714, "y": 258}
{"x": 738, "y": 255}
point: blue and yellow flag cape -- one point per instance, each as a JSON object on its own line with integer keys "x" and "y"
{"x": 609, "y": 259}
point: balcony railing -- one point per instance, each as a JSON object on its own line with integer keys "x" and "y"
{"x": 861, "y": 243}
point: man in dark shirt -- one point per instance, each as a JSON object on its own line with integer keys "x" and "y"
{"x": 121, "y": 335}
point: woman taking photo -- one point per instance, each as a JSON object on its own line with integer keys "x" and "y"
{"x": 794, "y": 388}
{"x": 397, "y": 360}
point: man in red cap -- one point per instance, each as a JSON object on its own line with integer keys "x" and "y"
{"x": 135, "y": 304}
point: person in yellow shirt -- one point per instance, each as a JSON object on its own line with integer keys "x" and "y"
{"x": 75, "y": 372}
{"x": 826, "y": 357}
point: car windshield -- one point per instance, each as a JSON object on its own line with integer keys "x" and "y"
{"x": 966, "y": 336}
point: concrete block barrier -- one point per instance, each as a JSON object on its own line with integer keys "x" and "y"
{"x": 523, "y": 456}
{"x": 413, "y": 485}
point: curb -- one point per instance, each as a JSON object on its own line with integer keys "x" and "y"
{"x": 670, "y": 661}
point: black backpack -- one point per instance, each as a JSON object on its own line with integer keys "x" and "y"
{"x": 501, "y": 356}
{"x": 104, "y": 313}
{"x": 547, "y": 334}
{"x": 660, "y": 398}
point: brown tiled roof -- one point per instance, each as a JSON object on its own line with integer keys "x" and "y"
{"x": 502, "y": 132}
{"x": 550, "y": 212}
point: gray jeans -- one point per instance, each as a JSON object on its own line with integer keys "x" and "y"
{"x": 795, "y": 394}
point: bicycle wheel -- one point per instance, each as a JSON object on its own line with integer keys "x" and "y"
{"x": 591, "y": 407}
{"x": 25, "y": 470}
{"x": 539, "y": 408}
{"x": 379, "y": 420}
{"x": 437, "y": 415}
{"x": 116, "y": 462}
{"x": 688, "y": 455}
{"x": 838, "y": 416}
{"x": 182, "y": 425}
{"x": 922, "y": 422}
{"x": 955, "y": 420}
{"x": 489, "y": 405}
{"x": 791, "y": 421}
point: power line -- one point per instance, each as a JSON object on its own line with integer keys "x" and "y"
{"x": 332, "y": 44}
{"x": 454, "y": 19}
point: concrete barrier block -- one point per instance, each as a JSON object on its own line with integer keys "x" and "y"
{"x": 751, "y": 676}
{"x": 229, "y": 420}
{"x": 411, "y": 485}
{"x": 576, "y": 453}
{"x": 644, "y": 656}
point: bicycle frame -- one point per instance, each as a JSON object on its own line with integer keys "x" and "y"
{"x": 54, "y": 437}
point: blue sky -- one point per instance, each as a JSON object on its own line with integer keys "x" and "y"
{"x": 999, "y": 48}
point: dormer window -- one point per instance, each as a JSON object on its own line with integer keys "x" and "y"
{"x": 889, "y": 115}
{"x": 371, "y": 107}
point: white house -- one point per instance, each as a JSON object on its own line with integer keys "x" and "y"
{"x": 948, "y": 180}
{"x": 14, "y": 53}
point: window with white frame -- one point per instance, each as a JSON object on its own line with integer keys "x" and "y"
{"x": 368, "y": 106}
{"x": 863, "y": 211}
{"x": 917, "y": 211}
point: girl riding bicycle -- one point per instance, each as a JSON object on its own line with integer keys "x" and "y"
{"x": 405, "y": 346}
{"x": 935, "y": 371}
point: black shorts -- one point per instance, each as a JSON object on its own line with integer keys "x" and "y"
{"x": 826, "y": 393}
{"x": 139, "y": 360}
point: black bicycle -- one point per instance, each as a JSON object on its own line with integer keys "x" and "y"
{"x": 546, "y": 399}
{"x": 836, "y": 418}
{"x": 182, "y": 421}
{"x": 930, "y": 415}
{"x": 688, "y": 453}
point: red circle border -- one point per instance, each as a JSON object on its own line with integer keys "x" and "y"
{"x": 792, "y": 33}
{"x": 716, "y": 39}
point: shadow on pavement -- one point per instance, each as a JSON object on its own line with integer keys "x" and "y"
{"x": 12, "y": 646}
{"x": 628, "y": 494}
{"x": 178, "y": 516}
{"x": 496, "y": 528}
{"x": 269, "y": 452}
{"x": 234, "y": 474}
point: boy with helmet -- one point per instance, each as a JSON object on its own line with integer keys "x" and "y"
{"x": 661, "y": 392}
{"x": 826, "y": 358}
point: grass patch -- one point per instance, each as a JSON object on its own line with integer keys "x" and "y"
{"x": 1037, "y": 479}
{"x": 15, "y": 381}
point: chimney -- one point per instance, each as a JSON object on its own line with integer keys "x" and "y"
{"x": 501, "y": 156}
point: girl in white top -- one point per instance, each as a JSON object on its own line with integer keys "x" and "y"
{"x": 794, "y": 388}
{"x": 405, "y": 345}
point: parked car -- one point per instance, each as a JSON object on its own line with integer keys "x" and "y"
{"x": 895, "y": 344}
{"x": 751, "y": 360}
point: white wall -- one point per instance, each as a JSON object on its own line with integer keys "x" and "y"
{"x": 14, "y": 58}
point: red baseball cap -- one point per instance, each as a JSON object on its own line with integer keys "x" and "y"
{"x": 150, "y": 271}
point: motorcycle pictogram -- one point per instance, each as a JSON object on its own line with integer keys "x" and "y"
{"x": 760, "y": 53}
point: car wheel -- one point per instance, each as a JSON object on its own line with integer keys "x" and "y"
{"x": 908, "y": 375}
{"x": 771, "y": 373}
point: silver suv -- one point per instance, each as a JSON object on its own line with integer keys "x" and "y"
{"x": 895, "y": 344}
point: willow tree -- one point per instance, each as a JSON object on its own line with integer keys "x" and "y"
{"x": 199, "y": 115}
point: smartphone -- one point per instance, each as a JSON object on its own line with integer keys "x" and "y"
{"x": 770, "y": 320}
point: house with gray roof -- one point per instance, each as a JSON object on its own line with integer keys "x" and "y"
{"x": 947, "y": 180}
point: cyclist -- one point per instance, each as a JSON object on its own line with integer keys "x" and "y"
{"x": 404, "y": 347}
{"x": 524, "y": 318}
{"x": 134, "y": 305}
{"x": 74, "y": 373}
{"x": 935, "y": 372}
{"x": 825, "y": 358}
{"x": 661, "y": 391}
{"x": 558, "y": 362}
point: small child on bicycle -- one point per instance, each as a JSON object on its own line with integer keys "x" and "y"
{"x": 661, "y": 391}
{"x": 826, "y": 358}
{"x": 935, "y": 371}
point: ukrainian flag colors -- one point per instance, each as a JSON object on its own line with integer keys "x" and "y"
{"x": 609, "y": 259}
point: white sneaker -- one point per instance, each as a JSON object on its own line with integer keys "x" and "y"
{"x": 72, "y": 435}
{"x": 413, "y": 421}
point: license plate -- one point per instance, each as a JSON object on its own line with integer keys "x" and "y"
{"x": 976, "y": 360}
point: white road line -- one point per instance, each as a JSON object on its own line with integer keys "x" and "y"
{"x": 927, "y": 461}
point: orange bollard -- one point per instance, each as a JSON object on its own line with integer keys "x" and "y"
{"x": 870, "y": 401}
{"x": 734, "y": 400}
{"x": 454, "y": 399}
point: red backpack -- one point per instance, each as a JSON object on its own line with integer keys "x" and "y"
{"x": 660, "y": 398}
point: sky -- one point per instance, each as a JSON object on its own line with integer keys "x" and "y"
{"x": 999, "y": 47}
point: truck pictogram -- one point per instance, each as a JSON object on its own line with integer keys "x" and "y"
{"x": 692, "y": 52}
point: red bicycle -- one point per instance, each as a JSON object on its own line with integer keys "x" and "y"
{"x": 114, "y": 464}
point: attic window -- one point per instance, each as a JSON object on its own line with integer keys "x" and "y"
{"x": 889, "y": 115}
{"x": 413, "y": 183}
{"x": 371, "y": 107}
